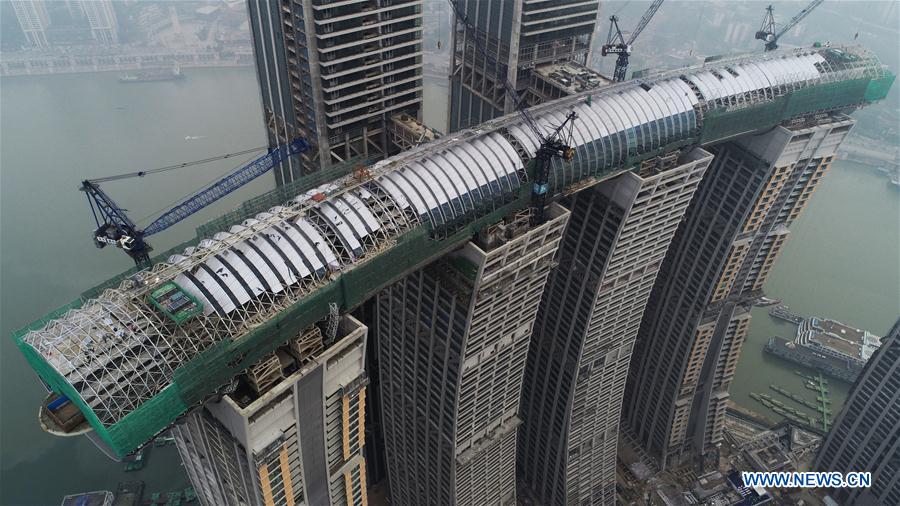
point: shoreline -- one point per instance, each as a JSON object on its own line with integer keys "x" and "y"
{"x": 121, "y": 70}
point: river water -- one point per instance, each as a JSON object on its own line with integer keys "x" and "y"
{"x": 58, "y": 130}
{"x": 841, "y": 262}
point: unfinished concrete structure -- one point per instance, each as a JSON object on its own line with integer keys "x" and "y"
{"x": 692, "y": 332}
{"x": 291, "y": 432}
{"x": 453, "y": 339}
{"x": 616, "y": 240}
{"x": 335, "y": 74}
{"x": 517, "y": 35}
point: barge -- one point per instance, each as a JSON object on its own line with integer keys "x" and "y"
{"x": 829, "y": 346}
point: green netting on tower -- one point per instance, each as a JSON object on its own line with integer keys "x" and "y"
{"x": 826, "y": 97}
{"x": 720, "y": 124}
{"x": 878, "y": 88}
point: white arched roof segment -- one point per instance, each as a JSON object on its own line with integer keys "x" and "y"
{"x": 636, "y": 106}
{"x": 330, "y": 211}
{"x": 708, "y": 85}
{"x": 277, "y": 256}
{"x": 455, "y": 185}
{"x": 258, "y": 258}
{"x": 622, "y": 108}
{"x": 647, "y": 110}
{"x": 446, "y": 184}
{"x": 758, "y": 81}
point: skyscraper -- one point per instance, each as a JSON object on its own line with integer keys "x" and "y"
{"x": 33, "y": 19}
{"x": 291, "y": 431}
{"x": 102, "y": 18}
{"x": 452, "y": 344}
{"x": 577, "y": 364}
{"x": 137, "y": 354}
{"x": 692, "y": 331}
{"x": 866, "y": 435}
{"x": 518, "y": 35}
{"x": 337, "y": 74}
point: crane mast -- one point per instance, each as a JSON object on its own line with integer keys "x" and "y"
{"x": 556, "y": 145}
{"x": 617, "y": 44}
{"x": 767, "y": 31}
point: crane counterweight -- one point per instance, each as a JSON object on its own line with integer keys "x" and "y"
{"x": 617, "y": 44}
{"x": 769, "y": 34}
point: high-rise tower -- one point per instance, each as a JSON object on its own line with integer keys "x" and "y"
{"x": 33, "y": 19}
{"x": 102, "y": 18}
{"x": 866, "y": 435}
{"x": 518, "y": 35}
{"x": 577, "y": 364}
{"x": 692, "y": 331}
{"x": 337, "y": 74}
{"x": 452, "y": 344}
{"x": 291, "y": 431}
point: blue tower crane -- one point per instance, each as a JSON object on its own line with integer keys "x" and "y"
{"x": 114, "y": 227}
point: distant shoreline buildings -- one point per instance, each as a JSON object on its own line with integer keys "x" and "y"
{"x": 104, "y": 35}
{"x": 54, "y": 62}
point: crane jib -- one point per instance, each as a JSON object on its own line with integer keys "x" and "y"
{"x": 226, "y": 185}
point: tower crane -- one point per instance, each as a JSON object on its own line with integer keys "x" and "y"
{"x": 114, "y": 227}
{"x": 558, "y": 144}
{"x": 616, "y": 43}
{"x": 767, "y": 31}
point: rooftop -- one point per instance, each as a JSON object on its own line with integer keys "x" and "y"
{"x": 837, "y": 336}
{"x": 98, "y": 498}
{"x": 571, "y": 77}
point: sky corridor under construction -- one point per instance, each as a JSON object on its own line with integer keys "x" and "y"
{"x": 133, "y": 368}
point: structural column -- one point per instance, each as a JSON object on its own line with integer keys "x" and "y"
{"x": 453, "y": 340}
{"x": 291, "y": 431}
{"x": 695, "y": 325}
{"x": 616, "y": 240}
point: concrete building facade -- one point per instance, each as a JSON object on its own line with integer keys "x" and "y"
{"x": 866, "y": 435}
{"x": 589, "y": 316}
{"x": 336, "y": 74}
{"x": 290, "y": 432}
{"x": 697, "y": 319}
{"x": 453, "y": 339}
{"x": 516, "y": 35}
{"x": 102, "y": 19}
{"x": 33, "y": 19}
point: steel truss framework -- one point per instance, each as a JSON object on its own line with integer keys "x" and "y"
{"x": 118, "y": 352}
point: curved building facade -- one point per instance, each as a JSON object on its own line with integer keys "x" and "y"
{"x": 866, "y": 435}
{"x": 692, "y": 332}
{"x": 616, "y": 240}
